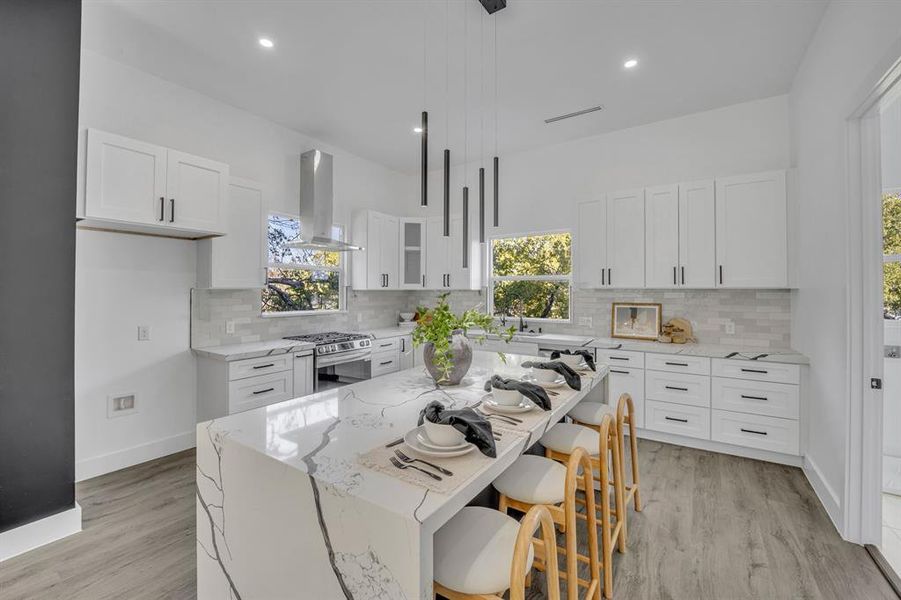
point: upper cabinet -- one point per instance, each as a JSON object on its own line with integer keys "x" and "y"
{"x": 591, "y": 244}
{"x": 238, "y": 259}
{"x": 135, "y": 186}
{"x": 611, "y": 241}
{"x": 412, "y": 253}
{"x": 680, "y": 235}
{"x": 376, "y": 267}
{"x": 751, "y": 231}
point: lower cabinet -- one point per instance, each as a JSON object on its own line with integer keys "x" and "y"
{"x": 756, "y": 431}
{"x": 627, "y": 380}
{"x": 691, "y": 421}
{"x": 261, "y": 390}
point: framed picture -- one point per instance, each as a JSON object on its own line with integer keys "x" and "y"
{"x": 635, "y": 320}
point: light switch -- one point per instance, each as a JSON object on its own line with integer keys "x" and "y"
{"x": 229, "y": 327}
{"x": 730, "y": 327}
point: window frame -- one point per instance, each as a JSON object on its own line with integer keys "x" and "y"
{"x": 491, "y": 278}
{"x": 341, "y": 269}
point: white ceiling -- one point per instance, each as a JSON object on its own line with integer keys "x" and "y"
{"x": 350, "y": 72}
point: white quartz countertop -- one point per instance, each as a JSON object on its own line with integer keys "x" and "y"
{"x": 784, "y": 355}
{"x": 252, "y": 349}
{"x": 553, "y": 339}
{"x": 384, "y": 333}
{"x": 326, "y": 431}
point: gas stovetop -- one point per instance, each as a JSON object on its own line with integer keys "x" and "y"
{"x": 332, "y": 342}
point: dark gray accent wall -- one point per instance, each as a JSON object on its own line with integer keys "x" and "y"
{"x": 39, "y": 61}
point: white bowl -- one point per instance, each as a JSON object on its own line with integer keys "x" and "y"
{"x": 443, "y": 435}
{"x": 545, "y": 375}
{"x": 407, "y": 316}
{"x": 507, "y": 397}
{"x": 572, "y": 360}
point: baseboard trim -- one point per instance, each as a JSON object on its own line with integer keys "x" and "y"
{"x": 114, "y": 461}
{"x": 39, "y": 533}
{"x": 828, "y": 498}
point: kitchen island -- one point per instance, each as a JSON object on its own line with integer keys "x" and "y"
{"x": 285, "y": 509}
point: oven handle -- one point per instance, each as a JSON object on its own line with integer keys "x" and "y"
{"x": 329, "y": 360}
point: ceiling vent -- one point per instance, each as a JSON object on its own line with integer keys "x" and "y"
{"x": 578, "y": 113}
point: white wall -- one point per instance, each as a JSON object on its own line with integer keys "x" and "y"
{"x": 127, "y": 280}
{"x": 852, "y": 38}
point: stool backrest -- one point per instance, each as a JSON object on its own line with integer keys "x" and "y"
{"x": 579, "y": 460}
{"x": 538, "y": 516}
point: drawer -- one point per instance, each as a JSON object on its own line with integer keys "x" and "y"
{"x": 691, "y": 421}
{"x": 758, "y": 371}
{"x": 698, "y": 365}
{"x": 622, "y": 380}
{"x": 251, "y": 367}
{"x": 756, "y": 397}
{"x": 622, "y": 358}
{"x": 261, "y": 390}
{"x": 385, "y": 345}
{"x": 681, "y": 388}
{"x": 385, "y": 362}
{"x": 756, "y": 431}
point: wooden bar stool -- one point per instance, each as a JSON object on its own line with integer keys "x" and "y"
{"x": 536, "y": 480}
{"x": 481, "y": 553}
{"x": 591, "y": 414}
{"x": 564, "y": 439}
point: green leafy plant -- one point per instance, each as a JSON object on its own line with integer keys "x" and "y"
{"x": 437, "y": 325}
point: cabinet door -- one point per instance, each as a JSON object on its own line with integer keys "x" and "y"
{"x": 625, "y": 239}
{"x": 407, "y": 354}
{"x": 436, "y": 254}
{"x": 630, "y": 381}
{"x": 751, "y": 244}
{"x": 662, "y": 236}
{"x": 458, "y": 277}
{"x": 303, "y": 375}
{"x": 697, "y": 234}
{"x": 591, "y": 248}
{"x": 389, "y": 240}
{"x": 125, "y": 179}
{"x": 196, "y": 191}
{"x": 375, "y": 276}
{"x": 412, "y": 253}
{"x": 237, "y": 259}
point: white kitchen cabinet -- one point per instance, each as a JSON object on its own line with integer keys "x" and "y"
{"x": 376, "y": 266}
{"x": 625, "y": 239}
{"x": 238, "y": 259}
{"x": 751, "y": 237}
{"x": 627, "y": 380}
{"x": 131, "y": 185}
{"x": 412, "y": 253}
{"x": 591, "y": 246}
{"x": 407, "y": 352}
{"x": 444, "y": 257}
{"x": 304, "y": 377}
{"x": 680, "y": 235}
{"x": 437, "y": 255}
{"x": 463, "y": 278}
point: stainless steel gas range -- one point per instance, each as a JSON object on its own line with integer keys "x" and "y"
{"x": 339, "y": 358}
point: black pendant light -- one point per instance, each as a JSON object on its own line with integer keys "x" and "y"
{"x": 446, "y": 192}
{"x": 482, "y": 205}
{"x": 425, "y": 159}
{"x": 446, "y": 121}
{"x": 465, "y": 139}
{"x": 496, "y": 159}
{"x": 482, "y": 132}
{"x": 496, "y": 209}
{"x": 465, "y": 227}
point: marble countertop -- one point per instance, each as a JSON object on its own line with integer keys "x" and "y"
{"x": 383, "y": 333}
{"x": 329, "y": 429}
{"x": 783, "y": 355}
{"x": 252, "y": 349}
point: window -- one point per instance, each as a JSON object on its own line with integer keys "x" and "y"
{"x": 301, "y": 281}
{"x": 891, "y": 251}
{"x": 531, "y": 275}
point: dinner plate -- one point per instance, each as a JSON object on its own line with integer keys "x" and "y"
{"x": 423, "y": 438}
{"x": 412, "y": 441}
{"x": 525, "y": 405}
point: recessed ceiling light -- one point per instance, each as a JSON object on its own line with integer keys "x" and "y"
{"x": 417, "y": 130}
{"x": 631, "y": 63}
{"x": 266, "y": 43}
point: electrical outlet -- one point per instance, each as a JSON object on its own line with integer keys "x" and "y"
{"x": 730, "y": 327}
{"x": 120, "y": 405}
{"x": 143, "y": 333}
{"x": 585, "y": 321}
{"x": 229, "y": 327}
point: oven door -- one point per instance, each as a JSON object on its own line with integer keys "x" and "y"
{"x": 342, "y": 368}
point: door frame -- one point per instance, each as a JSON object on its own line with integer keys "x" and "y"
{"x": 862, "y": 517}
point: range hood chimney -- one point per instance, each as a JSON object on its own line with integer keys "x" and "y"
{"x": 316, "y": 205}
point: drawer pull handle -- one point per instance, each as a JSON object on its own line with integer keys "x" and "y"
{"x": 675, "y": 419}
{"x": 619, "y": 372}
{"x": 762, "y": 371}
{"x": 673, "y": 364}
{"x": 264, "y": 391}
{"x": 388, "y": 345}
{"x": 746, "y": 397}
{"x": 264, "y": 366}
{"x": 678, "y": 389}
{"x": 619, "y": 358}
{"x": 753, "y": 431}
{"x": 387, "y": 362}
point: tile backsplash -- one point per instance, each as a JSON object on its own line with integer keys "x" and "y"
{"x": 762, "y": 317}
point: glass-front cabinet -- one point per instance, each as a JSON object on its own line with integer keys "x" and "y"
{"x": 413, "y": 253}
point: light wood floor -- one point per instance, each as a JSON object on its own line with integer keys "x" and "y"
{"x": 714, "y": 526}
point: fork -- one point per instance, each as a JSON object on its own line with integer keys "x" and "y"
{"x": 508, "y": 417}
{"x": 402, "y": 467}
{"x": 501, "y": 418}
{"x": 404, "y": 458}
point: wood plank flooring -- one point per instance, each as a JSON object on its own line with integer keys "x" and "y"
{"x": 714, "y": 526}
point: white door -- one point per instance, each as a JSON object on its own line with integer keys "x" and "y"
{"x": 662, "y": 236}
{"x": 196, "y": 191}
{"x": 751, "y": 244}
{"x": 591, "y": 247}
{"x": 697, "y": 234}
{"x": 622, "y": 380}
{"x": 389, "y": 240}
{"x": 436, "y": 254}
{"x": 239, "y": 257}
{"x": 412, "y": 253}
{"x": 625, "y": 239}
{"x": 125, "y": 179}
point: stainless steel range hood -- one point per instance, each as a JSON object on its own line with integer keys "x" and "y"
{"x": 316, "y": 205}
